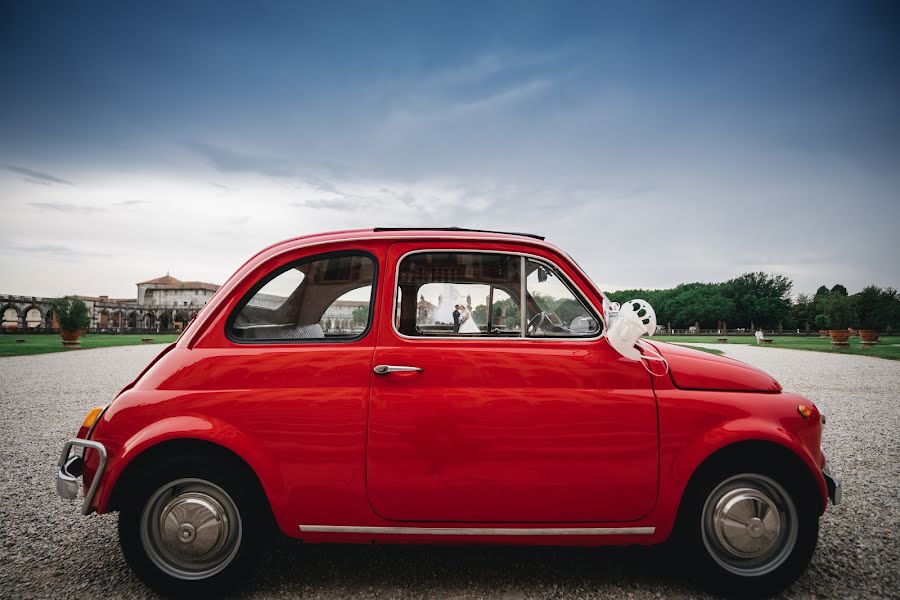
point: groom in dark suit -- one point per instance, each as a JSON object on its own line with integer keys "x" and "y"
{"x": 456, "y": 314}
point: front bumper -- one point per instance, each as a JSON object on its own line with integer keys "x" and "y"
{"x": 71, "y": 467}
{"x": 833, "y": 483}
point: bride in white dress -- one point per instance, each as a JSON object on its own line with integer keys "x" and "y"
{"x": 467, "y": 321}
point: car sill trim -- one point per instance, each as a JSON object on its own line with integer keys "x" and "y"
{"x": 520, "y": 531}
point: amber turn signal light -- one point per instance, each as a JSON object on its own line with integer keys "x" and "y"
{"x": 804, "y": 411}
{"x": 92, "y": 416}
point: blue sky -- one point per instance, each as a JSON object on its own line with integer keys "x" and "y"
{"x": 657, "y": 142}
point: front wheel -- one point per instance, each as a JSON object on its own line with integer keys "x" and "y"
{"x": 192, "y": 528}
{"x": 754, "y": 533}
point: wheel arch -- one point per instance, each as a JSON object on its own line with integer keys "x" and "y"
{"x": 770, "y": 454}
{"x": 176, "y": 436}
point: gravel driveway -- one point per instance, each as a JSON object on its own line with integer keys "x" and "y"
{"x": 49, "y": 550}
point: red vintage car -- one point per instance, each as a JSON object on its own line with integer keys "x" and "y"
{"x": 437, "y": 386}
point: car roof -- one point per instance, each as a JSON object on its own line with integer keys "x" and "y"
{"x": 407, "y": 232}
{"x": 404, "y": 233}
{"x": 489, "y": 231}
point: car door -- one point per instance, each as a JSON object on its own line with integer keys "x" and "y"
{"x": 506, "y": 425}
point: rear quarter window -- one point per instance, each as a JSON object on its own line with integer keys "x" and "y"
{"x": 322, "y": 298}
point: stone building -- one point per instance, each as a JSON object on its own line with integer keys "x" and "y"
{"x": 162, "y": 304}
{"x": 168, "y": 291}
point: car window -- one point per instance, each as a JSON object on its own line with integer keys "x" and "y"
{"x": 327, "y": 297}
{"x": 554, "y": 310}
{"x": 458, "y": 294}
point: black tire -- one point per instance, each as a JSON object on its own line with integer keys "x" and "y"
{"x": 740, "y": 556}
{"x": 194, "y": 526}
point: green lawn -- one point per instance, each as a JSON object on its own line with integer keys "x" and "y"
{"x": 701, "y": 349}
{"x": 887, "y": 348}
{"x": 43, "y": 343}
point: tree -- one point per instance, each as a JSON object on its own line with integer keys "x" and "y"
{"x": 839, "y": 289}
{"x": 891, "y": 309}
{"x": 804, "y": 311}
{"x": 508, "y": 307}
{"x": 838, "y": 308}
{"x": 361, "y": 315}
{"x": 71, "y": 312}
{"x": 569, "y": 309}
{"x": 480, "y": 313}
{"x": 868, "y": 307}
{"x": 760, "y": 299}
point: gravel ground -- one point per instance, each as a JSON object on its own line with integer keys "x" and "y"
{"x": 49, "y": 551}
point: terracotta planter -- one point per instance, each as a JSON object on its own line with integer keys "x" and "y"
{"x": 69, "y": 335}
{"x": 839, "y": 337}
{"x": 868, "y": 336}
{"x": 823, "y": 333}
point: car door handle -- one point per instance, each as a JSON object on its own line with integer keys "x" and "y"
{"x": 385, "y": 369}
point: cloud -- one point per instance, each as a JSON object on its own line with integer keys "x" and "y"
{"x": 66, "y": 207}
{"x": 58, "y": 251}
{"x": 129, "y": 203}
{"x": 227, "y": 160}
{"x": 504, "y": 97}
{"x": 345, "y": 203}
{"x": 37, "y": 177}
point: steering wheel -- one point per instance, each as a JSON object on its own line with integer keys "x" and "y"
{"x": 543, "y": 321}
{"x": 533, "y": 323}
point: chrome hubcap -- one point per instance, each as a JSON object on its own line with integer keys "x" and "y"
{"x": 193, "y": 525}
{"x": 749, "y": 524}
{"x": 191, "y": 528}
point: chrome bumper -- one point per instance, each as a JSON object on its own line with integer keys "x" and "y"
{"x": 71, "y": 467}
{"x": 835, "y": 490}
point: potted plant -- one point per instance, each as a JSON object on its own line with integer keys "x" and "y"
{"x": 822, "y": 324}
{"x": 73, "y": 317}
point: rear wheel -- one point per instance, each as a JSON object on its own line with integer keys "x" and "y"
{"x": 193, "y": 527}
{"x": 753, "y": 532}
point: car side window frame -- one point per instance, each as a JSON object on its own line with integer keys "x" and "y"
{"x": 523, "y": 256}
{"x": 245, "y": 299}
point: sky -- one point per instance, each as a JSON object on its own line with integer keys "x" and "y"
{"x": 657, "y": 143}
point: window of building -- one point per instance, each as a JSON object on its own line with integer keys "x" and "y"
{"x": 327, "y": 297}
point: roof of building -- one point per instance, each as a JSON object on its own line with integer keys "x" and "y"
{"x": 165, "y": 279}
{"x": 351, "y": 303}
{"x": 167, "y": 282}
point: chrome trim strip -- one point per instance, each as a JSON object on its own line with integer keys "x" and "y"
{"x": 523, "y": 310}
{"x": 479, "y": 530}
{"x": 579, "y": 294}
{"x": 67, "y": 479}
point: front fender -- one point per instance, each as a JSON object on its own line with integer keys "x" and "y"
{"x": 745, "y": 430}
{"x": 195, "y": 427}
{"x": 695, "y": 425}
